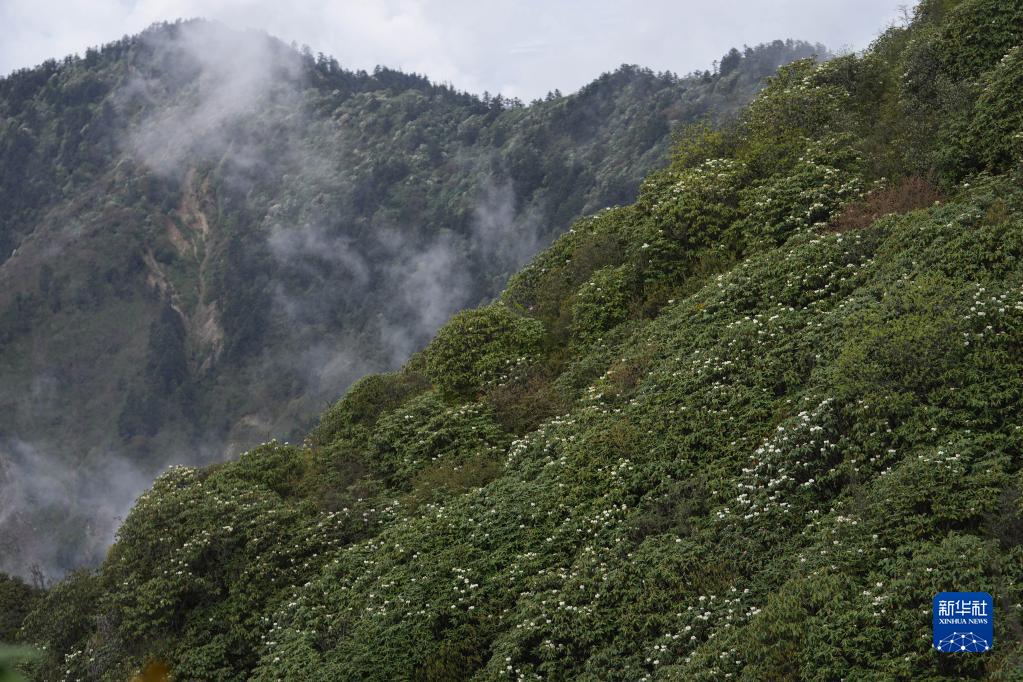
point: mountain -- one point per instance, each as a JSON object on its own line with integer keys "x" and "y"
{"x": 207, "y": 235}
{"x": 745, "y": 427}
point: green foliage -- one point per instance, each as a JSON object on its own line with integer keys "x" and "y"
{"x": 699, "y": 142}
{"x": 427, "y": 431}
{"x": 904, "y": 344}
{"x": 278, "y": 467}
{"x": 603, "y": 302}
{"x": 10, "y": 658}
{"x": 480, "y": 346}
{"x": 793, "y": 108}
{"x": 16, "y": 600}
{"x": 770, "y": 479}
{"x": 61, "y": 623}
{"x": 821, "y": 182}
{"x": 976, "y": 34}
{"x": 544, "y": 287}
{"x": 691, "y": 213}
{"x": 364, "y": 403}
{"x": 995, "y": 134}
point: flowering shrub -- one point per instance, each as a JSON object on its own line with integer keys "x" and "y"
{"x": 603, "y": 302}
{"x": 425, "y": 431}
{"x": 365, "y": 402}
{"x": 477, "y": 345}
{"x": 821, "y": 182}
{"x": 794, "y": 456}
{"x": 996, "y": 128}
{"x": 553, "y": 577}
{"x": 794, "y": 107}
{"x": 542, "y": 287}
{"x": 976, "y": 34}
{"x": 690, "y": 213}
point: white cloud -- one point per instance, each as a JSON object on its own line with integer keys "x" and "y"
{"x": 521, "y": 48}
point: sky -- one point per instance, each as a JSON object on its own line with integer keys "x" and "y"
{"x": 520, "y": 48}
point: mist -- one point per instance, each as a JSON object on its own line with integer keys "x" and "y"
{"x": 421, "y": 283}
{"x": 55, "y": 517}
{"x": 231, "y": 102}
{"x": 224, "y": 76}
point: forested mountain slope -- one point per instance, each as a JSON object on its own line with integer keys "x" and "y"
{"x": 745, "y": 427}
{"x": 206, "y": 235}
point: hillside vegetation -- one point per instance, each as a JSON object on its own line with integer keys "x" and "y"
{"x": 743, "y": 428}
{"x": 207, "y": 235}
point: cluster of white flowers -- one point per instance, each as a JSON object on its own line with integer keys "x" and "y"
{"x": 713, "y": 175}
{"x": 698, "y": 625}
{"x": 784, "y": 462}
{"x": 991, "y": 313}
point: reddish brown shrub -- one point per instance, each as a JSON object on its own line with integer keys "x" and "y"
{"x": 908, "y": 195}
{"x": 524, "y": 401}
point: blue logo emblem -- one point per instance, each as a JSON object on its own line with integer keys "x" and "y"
{"x": 964, "y": 622}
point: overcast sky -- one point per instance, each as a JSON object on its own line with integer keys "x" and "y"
{"x": 520, "y": 48}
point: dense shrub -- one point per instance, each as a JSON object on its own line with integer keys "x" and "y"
{"x": 365, "y": 402}
{"x": 822, "y": 181}
{"x": 743, "y": 484}
{"x": 63, "y": 622}
{"x": 479, "y": 346}
{"x": 603, "y": 302}
{"x": 526, "y": 399}
{"x": 905, "y": 343}
{"x": 976, "y": 34}
{"x": 545, "y": 284}
{"x": 426, "y": 430}
{"x": 793, "y": 108}
{"x": 690, "y": 214}
{"x": 696, "y": 143}
{"x": 276, "y": 466}
{"x": 16, "y": 600}
{"x": 995, "y": 132}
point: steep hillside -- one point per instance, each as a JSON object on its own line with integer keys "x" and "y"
{"x": 743, "y": 428}
{"x": 206, "y": 236}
